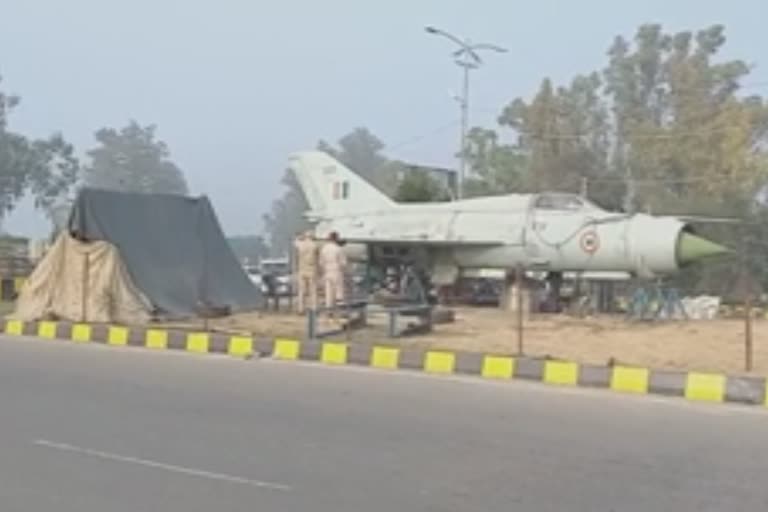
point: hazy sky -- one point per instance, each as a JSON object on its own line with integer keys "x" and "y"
{"x": 236, "y": 85}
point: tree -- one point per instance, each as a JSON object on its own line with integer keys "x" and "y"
{"x": 495, "y": 168}
{"x": 564, "y": 134}
{"x": 132, "y": 160}
{"x": 659, "y": 125}
{"x": 661, "y": 128}
{"x": 286, "y": 218}
{"x": 691, "y": 143}
{"x": 360, "y": 151}
{"x": 54, "y": 172}
{"x": 419, "y": 187}
{"x": 680, "y": 126}
{"x": 46, "y": 168}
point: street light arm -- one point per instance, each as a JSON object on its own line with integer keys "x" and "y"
{"x": 440, "y": 32}
{"x": 486, "y": 46}
{"x": 467, "y": 57}
{"x": 467, "y": 50}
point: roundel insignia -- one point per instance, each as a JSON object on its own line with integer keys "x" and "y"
{"x": 590, "y": 243}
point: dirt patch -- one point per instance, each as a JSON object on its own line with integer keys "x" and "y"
{"x": 716, "y": 345}
{"x": 713, "y": 345}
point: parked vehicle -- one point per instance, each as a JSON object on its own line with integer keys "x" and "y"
{"x": 274, "y": 277}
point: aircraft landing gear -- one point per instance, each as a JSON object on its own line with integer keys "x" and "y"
{"x": 552, "y": 303}
{"x": 397, "y": 276}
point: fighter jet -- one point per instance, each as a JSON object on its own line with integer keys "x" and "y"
{"x": 549, "y": 231}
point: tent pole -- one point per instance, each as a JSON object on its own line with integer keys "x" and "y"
{"x": 84, "y": 300}
{"x": 203, "y": 283}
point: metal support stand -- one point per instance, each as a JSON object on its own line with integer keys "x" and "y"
{"x": 86, "y": 285}
{"x": 519, "y": 289}
{"x": 311, "y": 324}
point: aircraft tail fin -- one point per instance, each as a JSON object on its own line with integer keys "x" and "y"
{"x": 330, "y": 187}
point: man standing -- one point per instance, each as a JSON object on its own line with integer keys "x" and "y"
{"x": 306, "y": 271}
{"x": 333, "y": 263}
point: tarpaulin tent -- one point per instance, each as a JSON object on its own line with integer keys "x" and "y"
{"x": 128, "y": 257}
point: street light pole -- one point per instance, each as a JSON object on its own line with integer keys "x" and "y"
{"x": 464, "y": 128}
{"x": 467, "y": 58}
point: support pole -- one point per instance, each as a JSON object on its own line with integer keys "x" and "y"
{"x": 464, "y": 128}
{"x": 311, "y": 324}
{"x": 746, "y": 287}
{"x": 519, "y": 287}
{"x": 84, "y": 299}
{"x": 748, "y": 349}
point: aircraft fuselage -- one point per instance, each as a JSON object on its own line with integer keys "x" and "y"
{"x": 558, "y": 232}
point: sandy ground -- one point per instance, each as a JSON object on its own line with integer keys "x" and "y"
{"x": 706, "y": 345}
{"x": 716, "y": 345}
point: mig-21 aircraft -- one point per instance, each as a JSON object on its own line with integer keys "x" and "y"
{"x": 555, "y": 232}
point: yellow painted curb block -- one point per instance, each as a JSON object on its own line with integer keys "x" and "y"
{"x": 439, "y": 362}
{"x": 117, "y": 336}
{"x": 157, "y": 339}
{"x": 287, "y": 350}
{"x": 333, "y": 353}
{"x": 563, "y": 373}
{"x": 46, "y": 330}
{"x": 385, "y": 358}
{"x": 240, "y": 346}
{"x": 81, "y": 333}
{"x": 14, "y": 327}
{"x": 630, "y": 380}
{"x": 498, "y": 367}
{"x": 198, "y": 343}
{"x": 707, "y": 387}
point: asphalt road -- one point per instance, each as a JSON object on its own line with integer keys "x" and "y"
{"x": 96, "y": 429}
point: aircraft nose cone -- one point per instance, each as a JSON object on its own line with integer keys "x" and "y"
{"x": 692, "y": 248}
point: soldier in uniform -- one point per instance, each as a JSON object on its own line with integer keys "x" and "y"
{"x": 306, "y": 271}
{"x": 333, "y": 263}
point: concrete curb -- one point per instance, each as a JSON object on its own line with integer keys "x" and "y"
{"x": 707, "y": 387}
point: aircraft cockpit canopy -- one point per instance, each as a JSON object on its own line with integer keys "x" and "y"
{"x": 562, "y": 203}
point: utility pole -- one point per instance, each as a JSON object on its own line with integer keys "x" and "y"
{"x": 519, "y": 278}
{"x": 468, "y": 59}
{"x": 745, "y": 283}
{"x": 629, "y": 182}
{"x": 629, "y": 196}
{"x": 464, "y": 128}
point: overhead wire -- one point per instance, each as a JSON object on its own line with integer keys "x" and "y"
{"x": 413, "y": 140}
{"x": 418, "y": 138}
{"x": 651, "y": 181}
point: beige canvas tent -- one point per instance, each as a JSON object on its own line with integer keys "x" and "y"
{"x": 85, "y": 282}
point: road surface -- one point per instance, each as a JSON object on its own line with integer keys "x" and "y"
{"x": 96, "y": 429}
